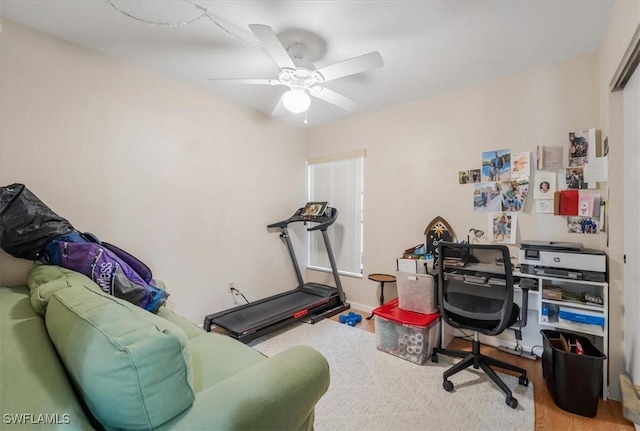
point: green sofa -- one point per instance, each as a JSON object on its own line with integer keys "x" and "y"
{"x": 72, "y": 357}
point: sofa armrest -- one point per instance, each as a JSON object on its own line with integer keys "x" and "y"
{"x": 276, "y": 394}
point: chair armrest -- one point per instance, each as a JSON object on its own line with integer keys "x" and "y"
{"x": 276, "y": 394}
{"x": 525, "y": 284}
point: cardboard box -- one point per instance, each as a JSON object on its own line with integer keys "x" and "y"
{"x": 552, "y": 293}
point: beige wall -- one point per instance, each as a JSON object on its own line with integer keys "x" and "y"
{"x": 180, "y": 178}
{"x": 414, "y": 153}
{"x": 624, "y": 21}
{"x": 175, "y": 175}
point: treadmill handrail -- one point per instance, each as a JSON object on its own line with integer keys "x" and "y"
{"x": 323, "y": 221}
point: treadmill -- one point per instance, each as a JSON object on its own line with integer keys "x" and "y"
{"x": 309, "y": 302}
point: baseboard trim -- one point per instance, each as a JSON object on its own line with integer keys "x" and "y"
{"x": 361, "y": 307}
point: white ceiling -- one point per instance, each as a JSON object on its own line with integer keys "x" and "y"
{"x": 428, "y": 46}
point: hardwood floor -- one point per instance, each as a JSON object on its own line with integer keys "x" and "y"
{"x": 548, "y": 415}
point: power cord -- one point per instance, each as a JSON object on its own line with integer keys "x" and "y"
{"x": 467, "y": 337}
{"x": 519, "y": 348}
{"x": 237, "y": 292}
{"x": 536, "y": 347}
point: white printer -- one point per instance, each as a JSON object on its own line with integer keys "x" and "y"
{"x": 562, "y": 259}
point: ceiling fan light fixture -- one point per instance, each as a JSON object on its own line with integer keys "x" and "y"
{"x": 296, "y": 100}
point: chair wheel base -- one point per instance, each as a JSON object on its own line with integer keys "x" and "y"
{"x": 523, "y": 380}
{"x": 447, "y": 385}
{"x": 511, "y": 402}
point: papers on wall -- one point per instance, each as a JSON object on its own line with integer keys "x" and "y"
{"x": 549, "y": 158}
{"x": 496, "y": 165}
{"x": 585, "y": 225}
{"x": 586, "y": 202}
{"x": 463, "y": 177}
{"x": 545, "y": 185}
{"x": 544, "y": 206}
{"x": 487, "y": 197}
{"x": 582, "y": 147}
{"x": 501, "y": 196}
{"x": 574, "y": 179}
{"x": 521, "y": 165}
{"x": 514, "y": 194}
{"x": 503, "y": 227}
{"x": 596, "y": 170}
{"x": 597, "y": 206}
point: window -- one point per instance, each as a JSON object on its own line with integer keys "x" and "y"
{"x": 339, "y": 181}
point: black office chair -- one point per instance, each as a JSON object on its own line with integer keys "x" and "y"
{"x": 475, "y": 291}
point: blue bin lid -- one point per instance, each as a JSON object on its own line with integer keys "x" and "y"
{"x": 391, "y": 311}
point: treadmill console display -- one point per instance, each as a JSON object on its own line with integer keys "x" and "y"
{"x": 313, "y": 209}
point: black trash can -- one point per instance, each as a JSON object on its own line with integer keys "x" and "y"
{"x": 574, "y": 380}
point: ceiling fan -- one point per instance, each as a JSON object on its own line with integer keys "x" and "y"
{"x": 301, "y": 76}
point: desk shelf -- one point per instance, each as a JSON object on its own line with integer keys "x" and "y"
{"x": 596, "y": 331}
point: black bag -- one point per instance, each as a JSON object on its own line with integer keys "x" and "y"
{"x": 26, "y": 223}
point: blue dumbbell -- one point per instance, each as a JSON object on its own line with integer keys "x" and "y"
{"x": 343, "y": 318}
{"x": 351, "y": 322}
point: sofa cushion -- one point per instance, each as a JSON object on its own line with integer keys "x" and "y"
{"x": 189, "y": 328}
{"x": 217, "y": 357}
{"x": 132, "y": 367}
{"x": 33, "y": 382}
{"x": 45, "y": 280}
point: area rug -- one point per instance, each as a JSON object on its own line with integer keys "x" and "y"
{"x": 373, "y": 390}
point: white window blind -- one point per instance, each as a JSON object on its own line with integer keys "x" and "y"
{"x": 339, "y": 181}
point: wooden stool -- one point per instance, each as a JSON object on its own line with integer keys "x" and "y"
{"x": 382, "y": 279}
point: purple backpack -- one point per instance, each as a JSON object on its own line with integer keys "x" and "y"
{"x": 113, "y": 269}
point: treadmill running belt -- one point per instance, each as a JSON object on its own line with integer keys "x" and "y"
{"x": 268, "y": 312}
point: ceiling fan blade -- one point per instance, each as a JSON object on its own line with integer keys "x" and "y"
{"x": 334, "y": 98}
{"x": 352, "y": 66}
{"x": 259, "y": 81}
{"x": 272, "y": 44}
{"x": 279, "y": 109}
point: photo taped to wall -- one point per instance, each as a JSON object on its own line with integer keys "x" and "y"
{"x": 545, "y": 185}
{"x": 575, "y": 178}
{"x": 584, "y": 225}
{"x": 521, "y": 165}
{"x": 496, "y": 165}
{"x": 463, "y": 177}
{"x": 514, "y": 194}
{"x": 487, "y": 197}
{"x": 503, "y": 227}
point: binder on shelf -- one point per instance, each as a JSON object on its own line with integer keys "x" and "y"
{"x": 581, "y": 316}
